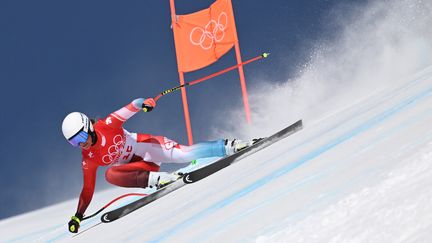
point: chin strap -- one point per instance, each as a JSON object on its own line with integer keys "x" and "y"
{"x": 92, "y": 132}
{"x": 94, "y": 137}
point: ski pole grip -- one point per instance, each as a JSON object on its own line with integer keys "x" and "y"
{"x": 147, "y": 108}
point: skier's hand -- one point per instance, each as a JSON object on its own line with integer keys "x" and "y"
{"x": 148, "y": 104}
{"x": 74, "y": 223}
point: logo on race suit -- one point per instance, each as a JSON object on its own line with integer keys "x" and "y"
{"x": 114, "y": 151}
{"x": 213, "y": 32}
{"x": 169, "y": 144}
{"x": 84, "y": 165}
{"x": 108, "y": 121}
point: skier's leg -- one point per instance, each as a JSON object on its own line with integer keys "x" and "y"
{"x": 199, "y": 150}
{"x": 135, "y": 174}
{"x": 159, "y": 149}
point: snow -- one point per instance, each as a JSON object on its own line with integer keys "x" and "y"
{"x": 361, "y": 174}
{"x": 359, "y": 171}
{"x": 397, "y": 209}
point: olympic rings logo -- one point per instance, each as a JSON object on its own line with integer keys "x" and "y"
{"x": 213, "y": 32}
{"x": 114, "y": 151}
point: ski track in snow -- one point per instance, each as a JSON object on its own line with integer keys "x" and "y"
{"x": 253, "y": 187}
{"x": 405, "y": 104}
{"x": 370, "y": 206}
{"x": 370, "y": 124}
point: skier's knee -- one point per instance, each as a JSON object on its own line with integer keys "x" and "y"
{"x": 109, "y": 176}
{"x": 127, "y": 178}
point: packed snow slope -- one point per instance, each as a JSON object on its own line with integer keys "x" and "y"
{"x": 362, "y": 173}
{"x": 359, "y": 171}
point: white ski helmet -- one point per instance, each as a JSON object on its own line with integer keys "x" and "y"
{"x": 76, "y": 128}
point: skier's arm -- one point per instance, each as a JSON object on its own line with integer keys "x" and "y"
{"x": 120, "y": 116}
{"x": 89, "y": 172}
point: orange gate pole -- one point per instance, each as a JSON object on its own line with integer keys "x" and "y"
{"x": 183, "y": 90}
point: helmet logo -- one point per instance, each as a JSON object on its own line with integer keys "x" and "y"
{"x": 85, "y": 122}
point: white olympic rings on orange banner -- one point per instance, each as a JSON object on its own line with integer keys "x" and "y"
{"x": 213, "y": 31}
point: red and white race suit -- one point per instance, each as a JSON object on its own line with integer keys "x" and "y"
{"x": 131, "y": 155}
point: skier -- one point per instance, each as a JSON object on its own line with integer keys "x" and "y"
{"x": 134, "y": 158}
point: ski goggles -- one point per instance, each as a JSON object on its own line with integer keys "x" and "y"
{"x": 80, "y": 137}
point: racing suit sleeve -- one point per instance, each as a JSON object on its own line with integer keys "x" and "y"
{"x": 118, "y": 117}
{"x": 89, "y": 173}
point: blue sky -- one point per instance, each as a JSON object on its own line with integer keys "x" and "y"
{"x": 96, "y": 56}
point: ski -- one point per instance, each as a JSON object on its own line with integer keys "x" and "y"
{"x": 205, "y": 171}
{"x": 126, "y": 209}
{"x": 201, "y": 173}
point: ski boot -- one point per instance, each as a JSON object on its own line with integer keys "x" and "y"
{"x": 236, "y": 145}
{"x": 161, "y": 179}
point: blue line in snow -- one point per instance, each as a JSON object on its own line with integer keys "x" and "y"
{"x": 269, "y": 178}
{"x": 412, "y": 122}
{"x": 395, "y": 92}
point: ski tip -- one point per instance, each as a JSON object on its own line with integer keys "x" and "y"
{"x": 300, "y": 123}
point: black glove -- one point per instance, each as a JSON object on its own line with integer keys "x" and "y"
{"x": 148, "y": 104}
{"x": 74, "y": 223}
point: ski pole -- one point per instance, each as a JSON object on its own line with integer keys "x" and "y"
{"x": 264, "y": 55}
{"x": 114, "y": 200}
